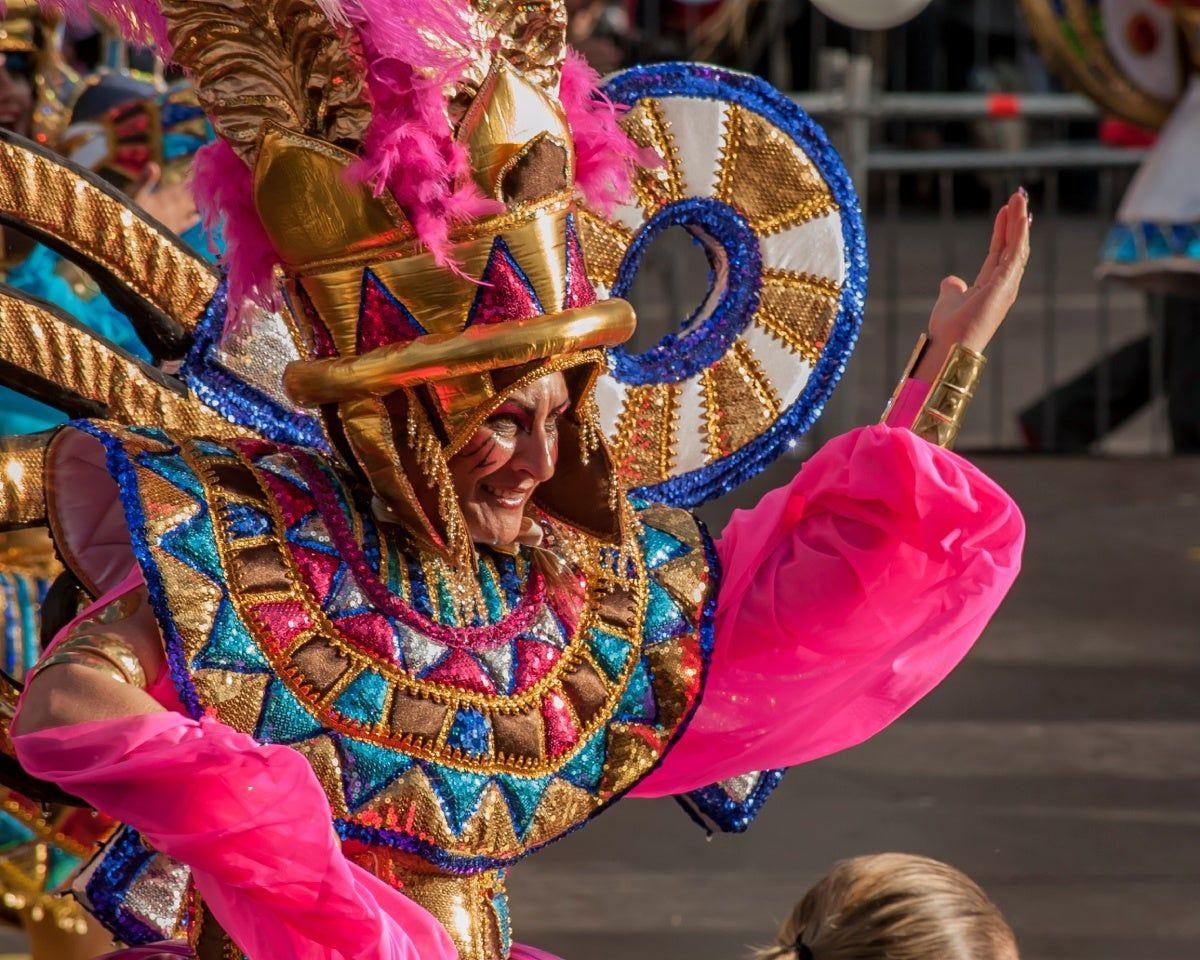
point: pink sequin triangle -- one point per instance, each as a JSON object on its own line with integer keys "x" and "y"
{"x": 382, "y": 318}
{"x": 371, "y": 632}
{"x": 580, "y": 292}
{"x": 461, "y": 670}
{"x": 506, "y": 293}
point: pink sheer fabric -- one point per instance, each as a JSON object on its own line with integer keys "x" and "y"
{"x": 846, "y": 597}
{"x": 253, "y": 824}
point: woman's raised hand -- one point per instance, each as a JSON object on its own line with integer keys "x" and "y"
{"x": 971, "y": 315}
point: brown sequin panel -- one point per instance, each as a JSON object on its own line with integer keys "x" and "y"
{"x": 322, "y": 666}
{"x": 519, "y": 734}
{"x": 414, "y": 716}
{"x": 617, "y": 609}
{"x": 585, "y": 690}
{"x": 259, "y": 567}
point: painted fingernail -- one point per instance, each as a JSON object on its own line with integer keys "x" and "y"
{"x": 1023, "y": 192}
{"x": 1031, "y": 219}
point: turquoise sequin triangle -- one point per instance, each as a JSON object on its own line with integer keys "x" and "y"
{"x": 637, "y": 702}
{"x": 284, "y": 718}
{"x": 664, "y": 619}
{"x": 585, "y": 769}
{"x": 212, "y": 449}
{"x": 174, "y": 469}
{"x": 610, "y": 651}
{"x": 458, "y": 793}
{"x": 447, "y": 609}
{"x": 367, "y": 769}
{"x": 491, "y": 593}
{"x": 192, "y": 542}
{"x": 523, "y": 794}
{"x": 59, "y": 867}
{"x": 12, "y": 831}
{"x": 659, "y": 547}
{"x": 500, "y": 905}
{"x": 230, "y": 646}
{"x": 363, "y": 698}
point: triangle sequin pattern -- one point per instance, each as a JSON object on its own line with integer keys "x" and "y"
{"x": 382, "y": 318}
{"x": 505, "y": 292}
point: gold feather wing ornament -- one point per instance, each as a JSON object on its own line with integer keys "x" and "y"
{"x": 283, "y": 62}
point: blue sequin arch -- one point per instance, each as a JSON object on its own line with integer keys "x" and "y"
{"x": 733, "y": 254}
{"x": 679, "y": 356}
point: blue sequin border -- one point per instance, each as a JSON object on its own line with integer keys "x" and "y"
{"x": 697, "y": 80}
{"x": 233, "y": 398}
{"x": 122, "y": 470}
{"x": 712, "y": 806}
{"x": 678, "y": 357}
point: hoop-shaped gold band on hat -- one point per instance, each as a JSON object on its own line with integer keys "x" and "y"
{"x": 477, "y": 349}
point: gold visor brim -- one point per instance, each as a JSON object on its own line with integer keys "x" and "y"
{"x": 477, "y": 349}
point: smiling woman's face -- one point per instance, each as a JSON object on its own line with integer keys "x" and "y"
{"x": 514, "y": 450}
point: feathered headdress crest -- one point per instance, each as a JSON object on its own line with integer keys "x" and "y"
{"x": 377, "y": 78}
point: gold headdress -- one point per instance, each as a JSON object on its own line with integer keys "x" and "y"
{"x": 411, "y": 348}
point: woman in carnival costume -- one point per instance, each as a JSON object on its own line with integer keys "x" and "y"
{"x": 427, "y": 610}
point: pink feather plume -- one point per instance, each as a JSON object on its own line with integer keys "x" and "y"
{"x": 605, "y": 157}
{"x": 224, "y": 195}
{"x": 413, "y": 52}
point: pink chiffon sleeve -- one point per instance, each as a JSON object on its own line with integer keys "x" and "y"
{"x": 846, "y": 596}
{"x": 253, "y": 824}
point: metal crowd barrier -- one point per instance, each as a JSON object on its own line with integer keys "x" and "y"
{"x": 1060, "y": 282}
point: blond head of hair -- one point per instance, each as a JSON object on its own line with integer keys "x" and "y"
{"x": 894, "y": 906}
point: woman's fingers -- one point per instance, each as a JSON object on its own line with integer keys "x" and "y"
{"x": 1018, "y": 221}
{"x": 996, "y": 248}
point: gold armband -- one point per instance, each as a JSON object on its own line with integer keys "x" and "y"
{"x": 90, "y": 645}
{"x": 941, "y": 415}
{"x": 106, "y": 652}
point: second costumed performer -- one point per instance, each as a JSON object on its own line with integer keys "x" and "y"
{"x": 453, "y": 636}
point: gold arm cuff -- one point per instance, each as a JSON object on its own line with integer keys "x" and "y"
{"x": 941, "y": 417}
{"x": 105, "y": 652}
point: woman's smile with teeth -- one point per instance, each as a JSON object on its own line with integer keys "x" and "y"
{"x": 506, "y": 496}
